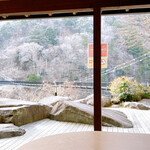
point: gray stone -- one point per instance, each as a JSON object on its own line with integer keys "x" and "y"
{"x": 82, "y": 113}
{"x": 136, "y": 105}
{"x": 145, "y": 101}
{"x": 105, "y": 101}
{"x": 72, "y": 112}
{"x": 115, "y": 100}
{"x": 10, "y": 130}
{"x": 52, "y": 100}
{"x": 115, "y": 118}
{"x": 22, "y": 112}
{"x": 90, "y": 100}
{"x": 116, "y": 106}
{"x": 6, "y": 102}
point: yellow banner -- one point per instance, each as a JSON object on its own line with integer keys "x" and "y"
{"x": 103, "y": 62}
{"x": 90, "y": 62}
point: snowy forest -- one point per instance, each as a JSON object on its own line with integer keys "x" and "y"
{"x": 57, "y": 49}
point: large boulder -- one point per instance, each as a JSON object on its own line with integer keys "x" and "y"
{"x": 136, "y": 105}
{"x": 22, "y": 112}
{"x": 105, "y": 101}
{"x": 72, "y": 112}
{"x": 52, "y": 100}
{"x": 82, "y": 113}
{"x": 10, "y": 130}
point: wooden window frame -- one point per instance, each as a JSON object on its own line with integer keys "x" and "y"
{"x": 96, "y": 12}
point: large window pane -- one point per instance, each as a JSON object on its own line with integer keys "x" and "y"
{"x": 44, "y": 76}
{"x": 126, "y": 79}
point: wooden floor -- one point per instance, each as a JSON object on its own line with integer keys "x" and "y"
{"x": 140, "y": 119}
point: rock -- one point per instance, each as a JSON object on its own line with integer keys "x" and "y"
{"x": 145, "y": 101}
{"x": 90, "y": 100}
{"x": 106, "y": 101}
{"x": 52, "y": 100}
{"x": 115, "y": 118}
{"x": 115, "y": 100}
{"x": 136, "y": 105}
{"x": 72, "y": 112}
{"x": 82, "y": 113}
{"x": 22, "y": 112}
{"x": 116, "y": 106}
{"x": 82, "y": 101}
{"x": 6, "y": 102}
{"x": 10, "y": 130}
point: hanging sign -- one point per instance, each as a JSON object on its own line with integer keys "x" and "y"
{"x": 104, "y": 55}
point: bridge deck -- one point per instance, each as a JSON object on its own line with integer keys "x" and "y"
{"x": 140, "y": 119}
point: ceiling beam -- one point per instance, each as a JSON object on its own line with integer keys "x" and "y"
{"x": 41, "y": 6}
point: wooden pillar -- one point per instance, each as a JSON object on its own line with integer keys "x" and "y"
{"x": 97, "y": 69}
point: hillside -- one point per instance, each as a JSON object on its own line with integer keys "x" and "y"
{"x": 56, "y": 49}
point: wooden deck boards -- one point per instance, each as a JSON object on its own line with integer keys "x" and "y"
{"x": 46, "y": 127}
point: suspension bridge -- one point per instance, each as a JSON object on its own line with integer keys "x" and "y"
{"x": 82, "y": 85}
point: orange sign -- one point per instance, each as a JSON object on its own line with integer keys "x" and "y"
{"x": 103, "y": 62}
{"x": 90, "y": 50}
{"x": 103, "y": 50}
